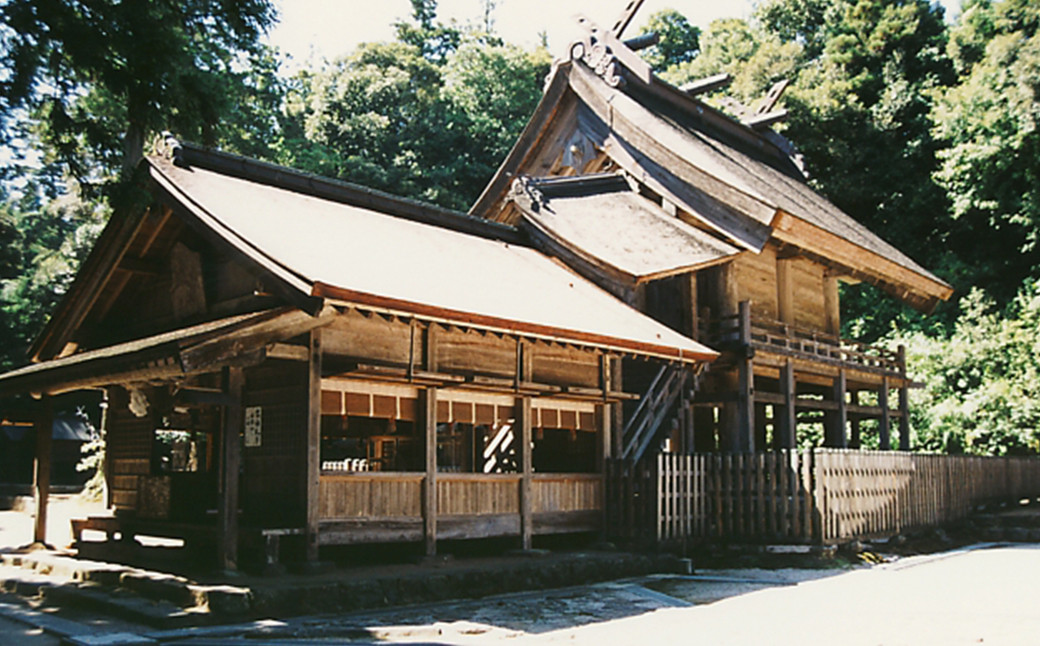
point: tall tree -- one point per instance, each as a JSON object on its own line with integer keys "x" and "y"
{"x": 98, "y": 76}
{"x": 678, "y": 39}
{"x": 418, "y": 117}
{"x": 991, "y": 121}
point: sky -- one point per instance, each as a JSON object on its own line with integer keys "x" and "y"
{"x": 312, "y": 29}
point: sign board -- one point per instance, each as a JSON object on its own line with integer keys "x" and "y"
{"x": 253, "y": 426}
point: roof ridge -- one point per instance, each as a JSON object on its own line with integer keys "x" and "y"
{"x": 187, "y": 155}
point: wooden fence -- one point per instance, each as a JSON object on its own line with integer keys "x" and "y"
{"x": 818, "y": 496}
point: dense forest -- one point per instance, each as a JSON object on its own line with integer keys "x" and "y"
{"x": 927, "y": 130}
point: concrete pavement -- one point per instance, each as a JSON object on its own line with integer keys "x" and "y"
{"x": 976, "y": 596}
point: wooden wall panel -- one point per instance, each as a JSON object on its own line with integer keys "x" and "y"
{"x": 756, "y": 281}
{"x": 808, "y": 295}
{"x": 129, "y": 450}
{"x": 565, "y": 366}
{"x": 486, "y": 354}
{"x": 370, "y": 338}
{"x": 274, "y": 473}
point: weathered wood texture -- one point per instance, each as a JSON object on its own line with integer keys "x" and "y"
{"x": 273, "y": 490}
{"x": 129, "y": 444}
{"x": 820, "y": 496}
{"x": 376, "y": 507}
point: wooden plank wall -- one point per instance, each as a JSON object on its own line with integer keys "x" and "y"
{"x": 559, "y": 492}
{"x": 273, "y": 474}
{"x": 371, "y": 495}
{"x": 129, "y": 446}
{"x": 756, "y": 281}
{"x": 820, "y": 496}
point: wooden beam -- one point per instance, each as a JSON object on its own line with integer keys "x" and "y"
{"x": 763, "y": 121}
{"x": 230, "y": 459}
{"x": 523, "y": 419}
{"x": 625, "y": 17}
{"x": 429, "y": 490}
{"x": 790, "y": 229}
{"x": 313, "y": 469}
{"x": 288, "y": 352}
{"x": 44, "y": 426}
{"x": 707, "y": 84}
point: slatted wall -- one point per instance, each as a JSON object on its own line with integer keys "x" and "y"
{"x": 819, "y": 496}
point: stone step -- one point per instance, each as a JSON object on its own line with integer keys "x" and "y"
{"x": 153, "y": 598}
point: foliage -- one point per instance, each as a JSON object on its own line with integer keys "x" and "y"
{"x": 982, "y": 384}
{"x": 426, "y": 120}
{"x": 679, "y": 40}
{"x": 42, "y": 246}
{"x": 991, "y": 120}
{"x": 97, "y": 77}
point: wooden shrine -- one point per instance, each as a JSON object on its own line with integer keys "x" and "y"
{"x": 706, "y": 223}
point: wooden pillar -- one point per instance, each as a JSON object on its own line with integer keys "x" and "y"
{"x": 745, "y": 437}
{"x": 837, "y": 420}
{"x": 691, "y": 305}
{"x": 44, "y": 428}
{"x": 429, "y": 490}
{"x": 605, "y": 413}
{"x": 523, "y": 420}
{"x": 831, "y": 304}
{"x": 230, "y": 459}
{"x": 855, "y": 441}
{"x": 904, "y": 418}
{"x": 904, "y": 402}
{"x": 788, "y": 425}
{"x": 313, "y": 445}
{"x": 885, "y": 423}
{"x": 704, "y": 429}
{"x": 785, "y": 289}
{"x": 617, "y": 426}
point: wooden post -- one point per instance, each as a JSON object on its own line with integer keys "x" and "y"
{"x": 691, "y": 304}
{"x": 855, "y": 441}
{"x": 745, "y": 436}
{"x": 617, "y": 425}
{"x": 785, "y": 289}
{"x": 885, "y": 423}
{"x": 605, "y": 413}
{"x": 788, "y": 426}
{"x": 230, "y": 453}
{"x": 313, "y": 445}
{"x": 837, "y": 436}
{"x": 904, "y": 402}
{"x": 44, "y": 424}
{"x": 523, "y": 420}
{"x": 429, "y": 491}
{"x": 831, "y": 305}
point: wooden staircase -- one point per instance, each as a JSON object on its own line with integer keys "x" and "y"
{"x": 673, "y": 384}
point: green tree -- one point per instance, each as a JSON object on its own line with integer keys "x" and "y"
{"x": 97, "y": 77}
{"x": 396, "y": 118}
{"x": 991, "y": 122}
{"x": 679, "y": 40}
{"x": 982, "y": 384}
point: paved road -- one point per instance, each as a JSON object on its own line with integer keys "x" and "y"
{"x": 982, "y": 596}
{"x": 14, "y": 633}
{"x": 976, "y": 596}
